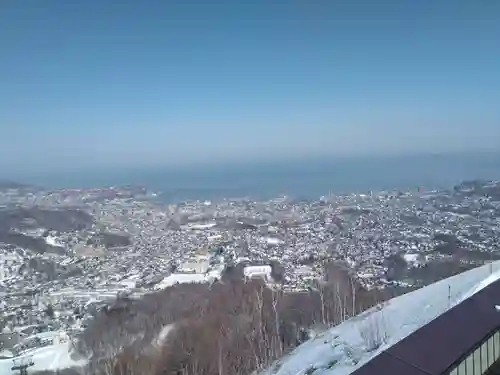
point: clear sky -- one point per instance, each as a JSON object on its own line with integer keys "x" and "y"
{"x": 125, "y": 82}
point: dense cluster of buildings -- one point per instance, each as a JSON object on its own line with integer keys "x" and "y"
{"x": 381, "y": 237}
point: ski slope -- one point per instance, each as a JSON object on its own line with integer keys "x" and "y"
{"x": 52, "y": 357}
{"x": 341, "y": 350}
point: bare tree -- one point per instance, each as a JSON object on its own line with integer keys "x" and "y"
{"x": 373, "y": 330}
{"x": 321, "y": 291}
{"x": 228, "y": 328}
{"x": 276, "y": 295}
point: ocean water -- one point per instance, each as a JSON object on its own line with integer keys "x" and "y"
{"x": 309, "y": 179}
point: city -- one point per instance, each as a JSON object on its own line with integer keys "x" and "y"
{"x": 68, "y": 254}
{"x": 249, "y": 187}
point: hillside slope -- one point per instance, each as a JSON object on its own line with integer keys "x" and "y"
{"x": 346, "y": 347}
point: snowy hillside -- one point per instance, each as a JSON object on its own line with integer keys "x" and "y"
{"x": 346, "y": 347}
{"x": 52, "y": 357}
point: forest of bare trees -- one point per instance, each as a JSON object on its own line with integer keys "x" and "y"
{"x": 226, "y": 328}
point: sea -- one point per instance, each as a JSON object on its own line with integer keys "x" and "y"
{"x": 301, "y": 179}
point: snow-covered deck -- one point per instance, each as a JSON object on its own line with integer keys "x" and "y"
{"x": 341, "y": 350}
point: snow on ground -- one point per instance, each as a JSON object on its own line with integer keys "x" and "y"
{"x": 50, "y": 335}
{"x": 411, "y": 258}
{"x": 182, "y": 278}
{"x": 159, "y": 340}
{"x": 53, "y": 241}
{"x": 493, "y": 276}
{"x": 341, "y": 350}
{"x": 6, "y": 354}
{"x": 51, "y": 357}
{"x": 164, "y": 333}
{"x": 215, "y": 273}
{"x": 101, "y": 294}
{"x": 128, "y": 283}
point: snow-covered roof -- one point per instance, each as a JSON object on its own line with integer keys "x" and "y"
{"x": 273, "y": 240}
{"x": 182, "y": 278}
{"x": 201, "y": 226}
{"x": 342, "y": 349}
{"x": 250, "y": 271}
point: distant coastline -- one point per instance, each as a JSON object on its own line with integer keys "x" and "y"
{"x": 301, "y": 178}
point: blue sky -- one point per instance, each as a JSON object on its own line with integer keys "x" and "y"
{"x": 116, "y": 83}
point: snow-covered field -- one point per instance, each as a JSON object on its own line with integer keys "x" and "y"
{"x": 342, "y": 349}
{"x": 51, "y": 357}
{"x": 182, "y": 278}
{"x": 190, "y": 278}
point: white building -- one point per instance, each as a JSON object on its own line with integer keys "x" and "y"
{"x": 263, "y": 272}
{"x": 199, "y": 266}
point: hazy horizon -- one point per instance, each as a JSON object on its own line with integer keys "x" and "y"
{"x": 130, "y": 84}
{"x": 250, "y": 163}
{"x": 306, "y": 178}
